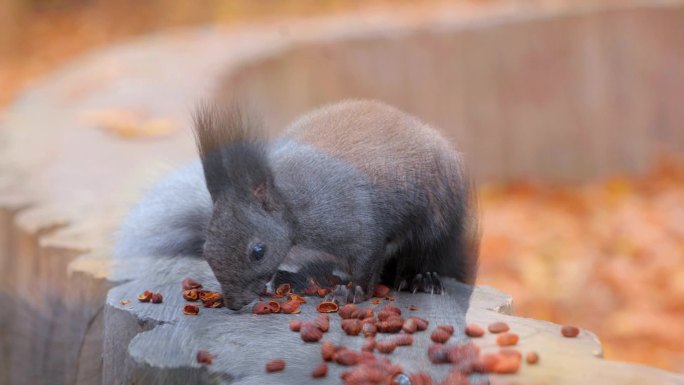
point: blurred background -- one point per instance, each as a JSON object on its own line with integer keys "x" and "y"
{"x": 605, "y": 253}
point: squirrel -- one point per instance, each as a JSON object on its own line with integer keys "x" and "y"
{"x": 358, "y": 186}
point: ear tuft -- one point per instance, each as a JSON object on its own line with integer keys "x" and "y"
{"x": 232, "y": 149}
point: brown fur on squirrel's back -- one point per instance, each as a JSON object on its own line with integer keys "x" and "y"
{"x": 392, "y": 148}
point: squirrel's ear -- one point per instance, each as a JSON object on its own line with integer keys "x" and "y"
{"x": 262, "y": 193}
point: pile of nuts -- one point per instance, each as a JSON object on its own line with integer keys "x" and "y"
{"x": 148, "y": 296}
{"x": 282, "y": 301}
{"x": 204, "y": 357}
{"x": 365, "y": 367}
{"x": 193, "y": 291}
{"x": 275, "y": 366}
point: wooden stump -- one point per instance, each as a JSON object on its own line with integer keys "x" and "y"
{"x": 80, "y": 145}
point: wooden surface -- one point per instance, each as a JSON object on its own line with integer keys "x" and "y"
{"x": 162, "y": 342}
{"x": 70, "y": 164}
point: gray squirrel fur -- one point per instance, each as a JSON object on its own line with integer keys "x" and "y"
{"x": 357, "y": 185}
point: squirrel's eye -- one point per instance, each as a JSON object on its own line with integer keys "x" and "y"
{"x": 258, "y": 251}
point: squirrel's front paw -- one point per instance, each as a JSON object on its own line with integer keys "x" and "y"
{"x": 351, "y": 293}
{"x": 428, "y": 282}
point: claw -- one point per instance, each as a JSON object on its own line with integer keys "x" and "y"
{"x": 438, "y": 283}
{"x": 269, "y": 286}
{"x": 401, "y": 285}
{"x": 416, "y": 283}
{"x": 426, "y": 286}
{"x": 339, "y": 295}
{"x": 359, "y": 295}
{"x": 428, "y": 282}
{"x": 330, "y": 297}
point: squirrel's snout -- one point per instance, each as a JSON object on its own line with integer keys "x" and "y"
{"x": 238, "y": 302}
{"x": 236, "y": 305}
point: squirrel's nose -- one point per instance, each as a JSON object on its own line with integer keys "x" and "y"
{"x": 237, "y": 303}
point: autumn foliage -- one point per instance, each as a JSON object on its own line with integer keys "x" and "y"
{"x": 607, "y": 256}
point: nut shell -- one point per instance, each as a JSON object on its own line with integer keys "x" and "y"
{"x": 310, "y": 333}
{"x": 440, "y": 336}
{"x": 351, "y": 326}
{"x": 498, "y": 327}
{"x": 392, "y": 309}
{"x": 501, "y": 363}
{"x": 368, "y": 329}
{"x": 191, "y": 309}
{"x": 346, "y": 357}
{"x": 208, "y": 297}
{"x": 363, "y": 313}
{"x": 386, "y": 346}
{"x": 296, "y": 297}
{"x": 465, "y": 355}
{"x": 346, "y": 311}
{"x": 322, "y": 322}
{"x": 157, "y": 298}
{"x": 438, "y": 354}
{"x": 323, "y": 291}
{"x": 218, "y": 302}
{"x": 274, "y": 307}
{"x": 283, "y": 289}
{"x": 328, "y": 351}
{"x": 381, "y": 291}
{"x": 190, "y": 295}
{"x": 290, "y": 307}
{"x": 189, "y": 283}
{"x": 391, "y": 325}
{"x": 569, "y": 331}
{"x": 474, "y": 330}
{"x": 261, "y": 308}
{"x": 421, "y": 323}
{"x": 295, "y": 325}
{"x": 420, "y": 378}
{"x": 320, "y": 371}
{"x": 507, "y": 339}
{"x": 368, "y": 345}
{"x": 410, "y": 326}
{"x": 403, "y": 340}
{"x": 327, "y": 307}
{"x": 146, "y": 296}
{"x": 275, "y": 366}
{"x": 455, "y": 378}
{"x": 204, "y": 357}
